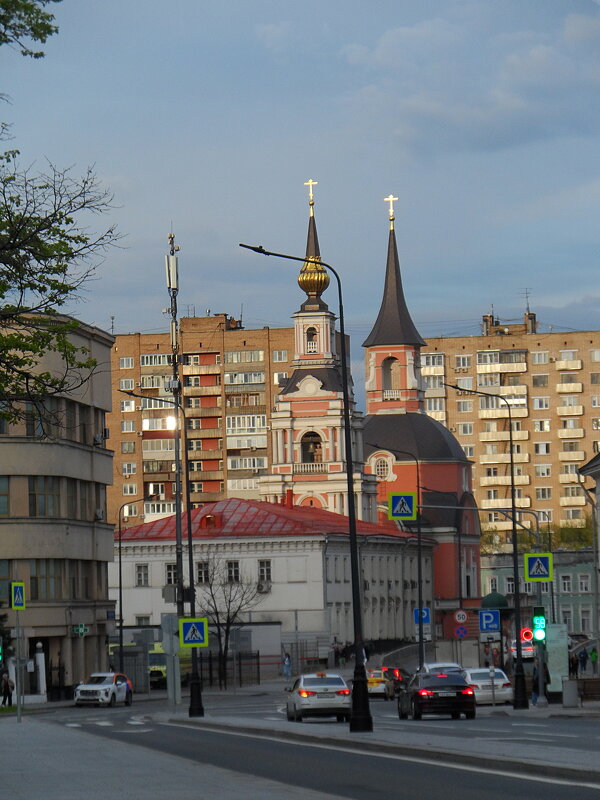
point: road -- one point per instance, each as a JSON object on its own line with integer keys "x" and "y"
{"x": 335, "y": 767}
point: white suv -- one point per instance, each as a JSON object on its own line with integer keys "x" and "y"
{"x": 105, "y": 689}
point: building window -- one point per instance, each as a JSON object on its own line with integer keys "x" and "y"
{"x": 566, "y": 584}
{"x": 539, "y": 357}
{"x": 568, "y": 355}
{"x": 142, "y": 575}
{"x": 573, "y": 513}
{"x": 126, "y": 384}
{"x": 381, "y": 469}
{"x": 279, "y": 377}
{"x": 155, "y": 359}
{"x": 539, "y": 403}
{"x": 127, "y": 405}
{"x": 4, "y": 496}
{"x": 233, "y": 378}
{"x": 464, "y": 406}
{"x": 171, "y": 574}
{"x": 127, "y": 426}
{"x": 142, "y": 622}
{"x": 432, "y": 382}
{"x": 469, "y": 450}
{"x": 280, "y": 355}
{"x": 570, "y": 423}
{"x": 488, "y": 357}
{"x": 493, "y": 585}
{"x": 128, "y": 447}
{"x": 432, "y": 360}
{"x": 129, "y": 488}
{"x": 567, "y": 618}
{"x": 434, "y": 404}
{"x": 489, "y": 379}
{"x": 465, "y": 428}
{"x": 44, "y": 496}
{"x": 202, "y": 572}
{"x": 541, "y": 448}
{"x": 595, "y": 401}
{"x": 264, "y": 571}
{"x": 569, "y": 469}
{"x": 569, "y": 400}
{"x": 464, "y": 383}
{"x": 572, "y": 491}
{"x": 546, "y": 514}
{"x": 130, "y": 511}
{"x": 126, "y": 362}
{"x": 543, "y": 493}
{"x": 233, "y": 571}
{"x": 541, "y": 425}
{"x": 243, "y": 356}
{"x": 571, "y": 447}
{"x": 463, "y": 362}
{"x": 509, "y": 582}
{"x": 45, "y": 579}
{"x": 595, "y": 378}
{"x": 543, "y": 470}
{"x": 584, "y": 583}
{"x": 539, "y": 380}
{"x": 129, "y": 468}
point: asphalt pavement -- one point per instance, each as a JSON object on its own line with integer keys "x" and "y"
{"x": 52, "y": 761}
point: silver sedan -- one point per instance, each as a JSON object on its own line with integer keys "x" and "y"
{"x": 319, "y": 694}
{"x": 490, "y": 685}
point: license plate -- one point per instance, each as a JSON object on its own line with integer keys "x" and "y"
{"x": 446, "y": 694}
{"x": 323, "y": 694}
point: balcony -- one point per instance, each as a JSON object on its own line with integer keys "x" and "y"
{"x": 568, "y": 478}
{"x": 569, "y": 411}
{"x": 504, "y": 436}
{"x": 318, "y": 468}
{"x": 504, "y": 502}
{"x": 502, "y": 412}
{"x": 391, "y": 394}
{"x": 201, "y": 369}
{"x": 432, "y": 370}
{"x": 572, "y": 523}
{"x": 572, "y": 501}
{"x": 574, "y": 455}
{"x": 571, "y": 433}
{"x": 567, "y": 366}
{"x": 569, "y": 388}
{"x": 504, "y": 480}
{"x": 487, "y": 369}
{"x": 504, "y": 458}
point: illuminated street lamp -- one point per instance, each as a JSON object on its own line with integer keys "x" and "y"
{"x": 361, "y": 719}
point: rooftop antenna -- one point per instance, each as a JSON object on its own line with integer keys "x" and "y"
{"x": 526, "y": 292}
{"x": 112, "y": 324}
{"x": 241, "y": 313}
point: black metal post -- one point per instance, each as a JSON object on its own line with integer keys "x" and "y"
{"x": 520, "y": 694}
{"x": 361, "y": 719}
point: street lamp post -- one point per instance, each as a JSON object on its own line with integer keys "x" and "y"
{"x": 361, "y": 719}
{"x": 121, "y": 660}
{"x": 520, "y": 694}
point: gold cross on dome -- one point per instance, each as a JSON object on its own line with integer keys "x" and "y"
{"x": 390, "y": 199}
{"x": 310, "y": 183}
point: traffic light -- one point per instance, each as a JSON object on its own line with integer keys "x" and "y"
{"x": 538, "y": 621}
{"x": 526, "y": 634}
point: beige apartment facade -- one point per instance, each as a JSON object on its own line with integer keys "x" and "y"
{"x": 53, "y": 522}
{"x": 550, "y": 388}
{"x": 230, "y": 377}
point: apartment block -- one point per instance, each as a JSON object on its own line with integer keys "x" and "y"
{"x": 229, "y": 377}
{"x": 549, "y": 385}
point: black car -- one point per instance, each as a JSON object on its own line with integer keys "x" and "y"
{"x": 398, "y": 675}
{"x": 442, "y": 693}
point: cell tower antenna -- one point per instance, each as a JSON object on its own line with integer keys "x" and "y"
{"x": 527, "y": 293}
{"x": 112, "y": 324}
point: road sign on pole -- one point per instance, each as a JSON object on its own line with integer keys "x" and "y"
{"x": 193, "y": 632}
{"x": 402, "y": 506}
{"x": 461, "y": 616}
{"x": 17, "y": 595}
{"x": 538, "y": 567}
{"x": 489, "y": 620}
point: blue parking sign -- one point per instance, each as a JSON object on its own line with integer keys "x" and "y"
{"x": 489, "y": 620}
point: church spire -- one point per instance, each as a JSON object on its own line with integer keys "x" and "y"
{"x": 394, "y": 325}
{"x": 313, "y": 278}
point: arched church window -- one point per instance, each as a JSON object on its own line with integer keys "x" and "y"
{"x": 311, "y": 448}
{"x": 311, "y": 340}
{"x": 381, "y": 469}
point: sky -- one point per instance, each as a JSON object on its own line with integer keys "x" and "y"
{"x": 481, "y": 116}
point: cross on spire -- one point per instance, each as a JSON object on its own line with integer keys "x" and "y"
{"x": 311, "y": 198}
{"x": 390, "y": 199}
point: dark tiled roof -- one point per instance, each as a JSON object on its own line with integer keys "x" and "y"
{"x": 328, "y": 376}
{"x": 393, "y": 324}
{"x": 237, "y": 518}
{"x": 424, "y": 437}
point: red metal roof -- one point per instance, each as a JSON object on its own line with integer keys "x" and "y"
{"x": 235, "y": 518}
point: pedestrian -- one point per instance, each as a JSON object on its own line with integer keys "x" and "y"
{"x": 535, "y": 684}
{"x": 573, "y": 665}
{"x": 594, "y": 660}
{"x": 7, "y": 689}
{"x": 583, "y": 659}
{"x": 287, "y": 666}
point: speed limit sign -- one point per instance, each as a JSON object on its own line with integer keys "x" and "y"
{"x": 460, "y": 616}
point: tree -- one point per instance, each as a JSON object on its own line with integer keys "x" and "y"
{"x": 46, "y": 254}
{"x": 224, "y": 598}
{"x": 26, "y": 19}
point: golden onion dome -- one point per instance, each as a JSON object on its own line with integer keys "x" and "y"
{"x": 313, "y": 278}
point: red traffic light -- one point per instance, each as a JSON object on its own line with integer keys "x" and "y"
{"x": 526, "y": 635}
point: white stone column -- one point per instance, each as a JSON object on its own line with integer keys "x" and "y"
{"x": 40, "y": 663}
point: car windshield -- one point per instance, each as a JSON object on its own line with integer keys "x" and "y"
{"x": 99, "y": 679}
{"x": 484, "y": 674}
{"x": 327, "y": 681}
{"x": 157, "y": 659}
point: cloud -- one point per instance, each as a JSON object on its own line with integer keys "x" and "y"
{"x": 581, "y": 28}
{"x": 274, "y": 36}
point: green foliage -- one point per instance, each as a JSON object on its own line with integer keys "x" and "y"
{"x": 46, "y": 253}
{"x": 26, "y": 19}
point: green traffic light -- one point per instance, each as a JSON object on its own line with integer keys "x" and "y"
{"x": 539, "y": 624}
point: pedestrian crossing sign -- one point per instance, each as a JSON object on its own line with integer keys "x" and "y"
{"x": 538, "y": 567}
{"x": 193, "y": 632}
{"x": 402, "y": 506}
{"x": 17, "y": 595}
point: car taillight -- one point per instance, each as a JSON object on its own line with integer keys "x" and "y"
{"x": 468, "y": 690}
{"x": 424, "y": 692}
{"x": 507, "y": 685}
{"x": 344, "y": 691}
{"x": 306, "y": 693}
